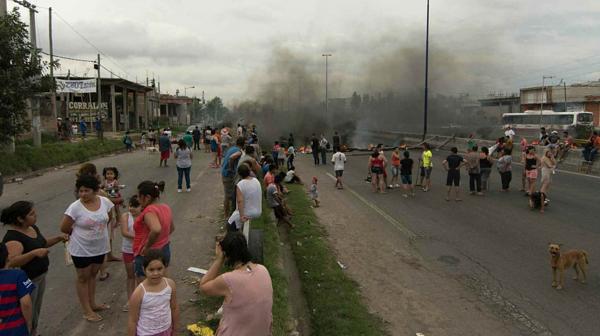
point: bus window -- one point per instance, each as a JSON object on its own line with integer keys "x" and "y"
{"x": 563, "y": 119}
{"x": 585, "y": 117}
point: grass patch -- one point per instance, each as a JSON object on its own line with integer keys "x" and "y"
{"x": 28, "y": 158}
{"x": 281, "y": 312}
{"x": 333, "y": 298}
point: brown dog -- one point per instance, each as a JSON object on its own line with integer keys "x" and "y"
{"x": 561, "y": 261}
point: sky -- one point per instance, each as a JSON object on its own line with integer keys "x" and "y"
{"x": 496, "y": 46}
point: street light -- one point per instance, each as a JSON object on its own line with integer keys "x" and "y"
{"x": 543, "y": 97}
{"x": 426, "y": 74}
{"x": 326, "y": 80}
{"x": 185, "y": 89}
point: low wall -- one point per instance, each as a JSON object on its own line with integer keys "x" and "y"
{"x": 572, "y": 161}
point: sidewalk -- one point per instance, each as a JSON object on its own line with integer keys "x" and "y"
{"x": 411, "y": 294}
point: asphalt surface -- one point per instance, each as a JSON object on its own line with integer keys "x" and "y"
{"x": 192, "y": 243}
{"x": 497, "y": 248}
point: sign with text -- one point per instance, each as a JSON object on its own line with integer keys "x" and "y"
{"x": 76, "y": 85}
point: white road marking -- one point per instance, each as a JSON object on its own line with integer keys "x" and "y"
{"x": 406, "y": 231}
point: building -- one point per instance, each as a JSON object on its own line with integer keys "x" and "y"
{"x": 494, "y": 105}
{"x": 175, "y": 110}
{"x": 575, "y": 97}
{"x": 125, "y": 105}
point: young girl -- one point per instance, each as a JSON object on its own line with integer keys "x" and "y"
{"x": 153, "y": 309}
{"x": 111, "y": 187}
{"x": 532, "y": 164}
{"x": 143, "y": 141}
{"x": 128, "y": 233}
{"x": 314, "y": 193}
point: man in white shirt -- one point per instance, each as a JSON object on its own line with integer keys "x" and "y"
{"x": 509, "y": 132}
{"x": 339, "y": 160}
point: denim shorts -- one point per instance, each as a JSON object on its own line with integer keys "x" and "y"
{"x": 406, "y": 179}
{"x": 138, "y": 262}
{"x": 395, "y": 170}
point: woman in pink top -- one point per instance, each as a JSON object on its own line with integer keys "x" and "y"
{"x": 153, "y": 227}
{"x": 247, "y": 289}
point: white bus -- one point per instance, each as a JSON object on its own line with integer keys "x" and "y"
{"x": 528, "y": 123}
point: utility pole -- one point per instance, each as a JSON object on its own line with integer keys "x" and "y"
{"x": 53, "y": 88}
{"x": 543, "y": 96}
{"x": 2, "y": 8}
{"x": 326, "y": 86}
{"x": 565, "y": 93}
{"x": 425, "y": 107}
{"x": 99, "y": 115}
{"x": 34, "y": 101}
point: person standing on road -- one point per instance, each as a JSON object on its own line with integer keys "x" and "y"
{"x": 504, "y": 166}
{"x": 126, "y": 221}
{"x": 314, "y": 146}
{"x": 228, "y": 171}
{"x": 426, "y": 165}
{"x": 28, "y": 250}
{"x": 548, "y": 163}
{"x": 189, "y": 140}
{"x": 291, "y": 140}
{"x": 376, "y": 169}
{"x": 226, "y": 140}
{"x": 247, "y": 289}
{"x": 183, "y": 155}
{"x": 339, "y": 160}
{"x": 154, "y": 309}
{"x": 406, "y": 167}
{"x": 153, "y": 227}
{"x": 395, "y": 167}
{"x": 452, "y": 165}
{"x": 323, "y": 147}
{"x": 532, "y": 164}
{"x": 336, "y": 142}
{"x": 248, "y": 200}
{"x": 509, "y": 132}
{"x": 474, "y": 169}
{"x": 196, "y": 135}
{"x": 82, "y": 128}
{"x": 207, "y": 139}
{"x": 164, "y": 146}
{"x": 86, "y": 221}
{"x": 485, "y": 167}
{"x": 152, "y": 137}
{"x": 291, "y": 154}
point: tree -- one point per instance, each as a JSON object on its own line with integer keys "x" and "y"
{"x": 20, "y": 71}
{"x": 215, "y": 108}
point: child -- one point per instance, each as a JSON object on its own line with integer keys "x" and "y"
{"x": 406, "y": 166}
{"x": 153, "y": 306}
{"x": 15, "y": 290}
{"x": 128, "y": 233}
{"x": 143, "y": 141}
{"x": 281, "y": 156}
{"x": 276, "y": 202}
{"x": 128, "y": 142}
{"x": 111, "y": 187}
{"x": 275, "y": 152}
{"x": 314, "y": 193}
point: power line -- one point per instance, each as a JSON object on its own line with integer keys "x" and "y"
{"x": 89, "y": 42}
{"x": 66, "y": 57}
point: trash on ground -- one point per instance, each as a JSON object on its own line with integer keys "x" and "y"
{"x": 342, "y": 266}
{"x": 197, "y": 270}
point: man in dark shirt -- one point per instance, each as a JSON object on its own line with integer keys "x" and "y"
{"x": 291, "y": 140}
{"x": 196, "y": 135}
{"x": 406, "y": 166}
{"x": 452, "y": 164}
{"x": 314, "y": 145}
{"x": 336, "y": 142}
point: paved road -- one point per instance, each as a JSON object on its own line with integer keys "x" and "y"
{"x": 497, "y": 248}
{"x": 192, "y": 241}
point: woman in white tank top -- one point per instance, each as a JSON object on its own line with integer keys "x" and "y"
{"x": 153, "y": 309}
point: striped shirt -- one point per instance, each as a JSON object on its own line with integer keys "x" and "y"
{"x": 14, "y": 285}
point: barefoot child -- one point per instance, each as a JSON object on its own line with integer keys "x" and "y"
{"x": 314, "y": 193}
{"x": 153, "y": 309}
{"x": 111, "y": 187}
{"x": 128, "y": 233}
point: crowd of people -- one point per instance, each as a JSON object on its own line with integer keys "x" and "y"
{"x": 146, "y": 224}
